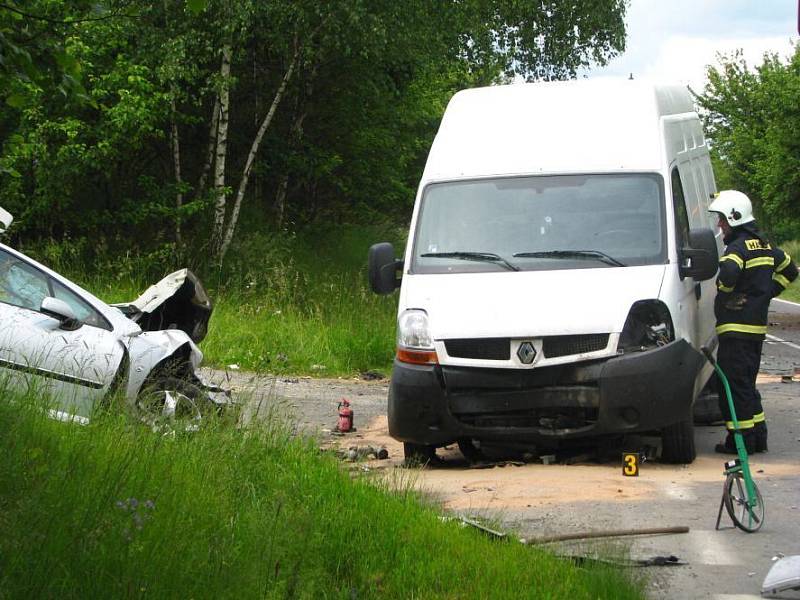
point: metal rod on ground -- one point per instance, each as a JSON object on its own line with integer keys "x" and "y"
{"x": 483, "y": 528}
{"x": 600, "y": 534}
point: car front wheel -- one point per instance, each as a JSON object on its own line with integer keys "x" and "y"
{"x": 171, "y": 404}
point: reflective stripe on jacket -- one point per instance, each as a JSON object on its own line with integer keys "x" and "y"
{"x": 751, "y": 273}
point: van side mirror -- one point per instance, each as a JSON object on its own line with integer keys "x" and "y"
{"x": 383, "y": 267}
{"x": 700, "y": 260}
{"x": 61, "y": 312}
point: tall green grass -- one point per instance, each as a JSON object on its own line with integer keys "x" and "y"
{"x": 113, "y": 510}
{"x": 339, "y": 328}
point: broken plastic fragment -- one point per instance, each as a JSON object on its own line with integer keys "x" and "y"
{"x": 784, "y": 575}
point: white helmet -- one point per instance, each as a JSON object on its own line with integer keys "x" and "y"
{"x": 734, "y": 206}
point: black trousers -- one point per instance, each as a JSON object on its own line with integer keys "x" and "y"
{"x": 739, "y": 359}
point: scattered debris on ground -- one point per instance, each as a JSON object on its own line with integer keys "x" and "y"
{"x": 355, "y": 453}
{"x": 372, "y": 375}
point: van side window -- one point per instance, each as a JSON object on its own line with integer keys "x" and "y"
{"x": 679, "y": 205}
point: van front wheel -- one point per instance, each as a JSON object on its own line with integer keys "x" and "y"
{"x": 677, "y": 443}
{"x": 419, "y": 454}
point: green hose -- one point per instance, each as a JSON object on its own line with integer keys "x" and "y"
{"x": 752, "y": 499}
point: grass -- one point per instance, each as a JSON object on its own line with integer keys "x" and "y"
{"x": 112, "y": 509}
{"x": 341, "y": 329}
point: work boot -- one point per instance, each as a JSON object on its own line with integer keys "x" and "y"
{"x": 729, "y": 445}
{"x": 760, "y": 432}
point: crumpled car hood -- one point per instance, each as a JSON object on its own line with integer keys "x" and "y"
{"x": 178, "y": 301}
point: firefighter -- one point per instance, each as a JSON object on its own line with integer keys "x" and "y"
{"x": 751, "y": 273}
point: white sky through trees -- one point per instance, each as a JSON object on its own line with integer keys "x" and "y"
{"x": 674, "y": 40}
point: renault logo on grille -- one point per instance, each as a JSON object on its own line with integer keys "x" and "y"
{"x": 526, "y": 353}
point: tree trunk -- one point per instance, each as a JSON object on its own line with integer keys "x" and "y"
{"x": 251, "y": 158}
{"x": 221, "y": 153}
{"x": 296, "y": 133}
{"x": 212, "y": 139}
{"x": 280, "y": 200}
{"x": 176, "y": 155}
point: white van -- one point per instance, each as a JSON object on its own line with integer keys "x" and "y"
{"x": 557, "y": 281}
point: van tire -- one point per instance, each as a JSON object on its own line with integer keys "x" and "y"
{"x": 419, "y": 454}
{"x": 677, "y": 443}
{"x": 470, "y": 450}
{"x": 706, "y": 407}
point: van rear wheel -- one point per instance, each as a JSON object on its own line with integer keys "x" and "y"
{"x": 677, "y": 442}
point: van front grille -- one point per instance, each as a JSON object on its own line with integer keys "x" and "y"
{"x": 564, "y": 345}
{"x": 479, "y": 348}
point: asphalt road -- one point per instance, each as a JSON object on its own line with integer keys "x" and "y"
{"x": 722, "y": 564}
{"x": 781, "y": 353}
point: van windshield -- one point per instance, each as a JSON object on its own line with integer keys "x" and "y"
{"x": 541, "y": 223}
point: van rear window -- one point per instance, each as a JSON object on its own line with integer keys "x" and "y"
{"x": 541, "y": 223}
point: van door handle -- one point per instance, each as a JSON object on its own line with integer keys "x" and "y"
{"x": 698, "y": 290}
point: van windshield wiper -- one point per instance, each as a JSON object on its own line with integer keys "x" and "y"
{"x": 476, "y": 256}
{"x": 595, "y": 254}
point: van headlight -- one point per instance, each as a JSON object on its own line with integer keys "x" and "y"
{"x": 649, "y": 325}
{"x": 414, "y": 339}
{"x": 413, "y": 330}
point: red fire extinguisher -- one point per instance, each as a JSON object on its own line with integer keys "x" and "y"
{"x": 345, "y": 416}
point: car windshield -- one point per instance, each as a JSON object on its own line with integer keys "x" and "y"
{"x": 542, "y": 222}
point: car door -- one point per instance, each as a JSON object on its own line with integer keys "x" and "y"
{"x": 37, "y": 355}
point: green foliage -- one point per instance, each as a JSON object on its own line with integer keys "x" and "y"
{"x": 752, "y": 118}
{"x": 33, "y": 52}
{"x": 112, "y": 509}
{"x": 792, "y": 248}
{"x": 348, "y": 140}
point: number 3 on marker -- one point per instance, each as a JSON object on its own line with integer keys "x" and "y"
{"x": 630, "y": 464}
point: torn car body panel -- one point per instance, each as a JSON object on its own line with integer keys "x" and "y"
{"x": 149, "y": 350}
{"x": 178, "y": 301}
{"x": 5, "y": 219}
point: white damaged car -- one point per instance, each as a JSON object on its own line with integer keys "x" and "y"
{"x": 58, "y": 339}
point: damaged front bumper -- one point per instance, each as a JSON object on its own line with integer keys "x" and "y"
{"x": 636, "y": 392}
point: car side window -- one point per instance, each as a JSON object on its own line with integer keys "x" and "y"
{"x": 679, "y": 205}
{"x": 83, "y": 311}
{"x": 20, "y": 284}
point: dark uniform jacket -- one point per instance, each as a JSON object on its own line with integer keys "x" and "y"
{"x": 751, "y": 273}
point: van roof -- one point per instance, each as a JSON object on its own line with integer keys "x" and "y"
{"x": 591, "y": 125}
